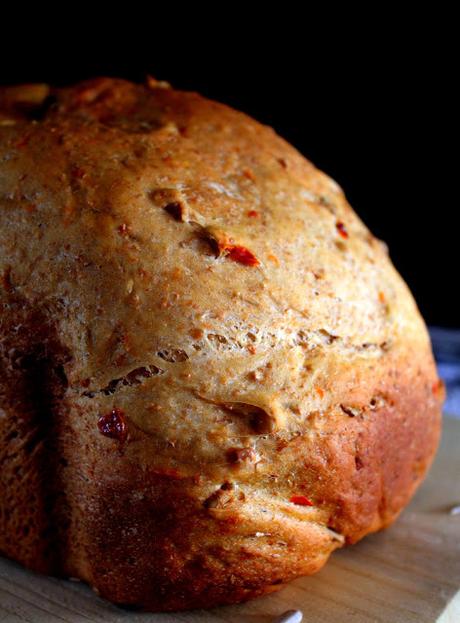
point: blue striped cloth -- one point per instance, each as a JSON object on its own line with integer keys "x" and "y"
{"x": 446, "y": 348}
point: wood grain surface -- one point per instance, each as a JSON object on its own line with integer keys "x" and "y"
{"x": 409, "y": 573}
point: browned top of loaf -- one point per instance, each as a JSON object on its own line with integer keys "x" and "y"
{"x": 208, "y": 280}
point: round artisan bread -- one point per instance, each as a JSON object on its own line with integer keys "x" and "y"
{"x": 211, "y": 374}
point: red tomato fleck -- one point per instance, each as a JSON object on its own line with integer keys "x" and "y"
{"x": 341, "y": 229}
{"x": 6, "y": 279}
{"x": 120, "y": 359}
{"x": 282, "y": 162}
{"x": 113, "y": 425}
{"x": 169, "y": 473}
{"x": 242, "y": 255}
{"x": 249, "y": 174}
{"x": 319, "y": 391}
{"x": 143, "y": 273}
{"x": 78, "y": 172}
{"x": 301, "y": 500}
{"x": 22, "y": 142}
{"x": 381, "y": 297}
{"x": 123, "y": 229}
{"x": 126, "y": 341}
{"x": 232, "y": 521}
{"x": 253, "y": 213}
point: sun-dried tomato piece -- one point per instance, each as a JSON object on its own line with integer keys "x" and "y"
{"x": 224, "y": 245}
{"x": 301, "y": 500}
{"x": 342, "y": 229}
{"x": 123, "y": 229}
{"x": 240, "y": 254}
{"x": 113, "y": 425}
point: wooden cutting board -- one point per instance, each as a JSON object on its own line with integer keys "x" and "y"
{"x": 409, "y": 573}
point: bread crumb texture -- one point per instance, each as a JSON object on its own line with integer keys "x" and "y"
{"x": 211, "y": 374}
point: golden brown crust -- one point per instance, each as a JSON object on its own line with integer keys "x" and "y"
{"x": 212, "y": 376}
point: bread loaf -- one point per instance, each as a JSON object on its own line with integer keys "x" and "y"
{"x": 211, "y": 374}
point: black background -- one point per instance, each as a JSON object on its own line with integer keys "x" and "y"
{"x": 374, "y": 108}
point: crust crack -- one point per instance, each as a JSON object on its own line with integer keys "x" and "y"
{"x": 135, "y": 377}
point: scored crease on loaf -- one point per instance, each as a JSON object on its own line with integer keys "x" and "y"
{"x": 211, "y": 374}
